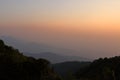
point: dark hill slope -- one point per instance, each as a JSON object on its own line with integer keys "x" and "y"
{"x": 101, "y": 69}
{"x": 15, "y": 66}
{"x": 66, "y": 68}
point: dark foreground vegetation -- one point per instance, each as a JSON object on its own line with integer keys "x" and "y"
{"x": 15, "y": 66}
{"x": 101, "y": 69}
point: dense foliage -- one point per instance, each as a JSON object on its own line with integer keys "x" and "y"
{"x": 101, "y": 69}
{"x": 15, "y": 66}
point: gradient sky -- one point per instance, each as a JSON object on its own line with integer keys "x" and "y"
{"x": 90, "y": 25}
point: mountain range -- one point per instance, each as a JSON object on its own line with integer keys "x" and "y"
{"x": 16, "y": 66}
{"x": 37, "y": 50}
{"x": 56, "y": 58}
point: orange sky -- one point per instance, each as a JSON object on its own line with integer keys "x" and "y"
{"x": 74, "y": 24}
{"x": 78, "y": 13}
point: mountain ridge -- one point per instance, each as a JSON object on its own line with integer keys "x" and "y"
{"x": 37, "y": 49}
{"x": 57, "y": 58}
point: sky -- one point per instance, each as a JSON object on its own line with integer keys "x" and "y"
{"x": 89, "y": 25}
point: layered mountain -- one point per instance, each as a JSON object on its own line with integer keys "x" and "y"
{"x": 37, "y": 50}
{"x": 56, "y": 58}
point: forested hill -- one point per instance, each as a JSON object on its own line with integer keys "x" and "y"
{"x": 66, "y": 69}
{"x": 15, "y": 66}
{"x": 101, "y": 69}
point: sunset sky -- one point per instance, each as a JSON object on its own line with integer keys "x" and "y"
{"x": 90, "y": 25}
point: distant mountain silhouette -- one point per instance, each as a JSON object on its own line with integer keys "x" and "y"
{"x": 25, "y": 46}
{"x": 56, "y": 58}
{"x": 45, "y": 51}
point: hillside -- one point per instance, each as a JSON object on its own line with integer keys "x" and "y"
{"x": 66, "y": 69}
{"x": 101, "y": 69}
{"x": 15, "y": 66}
